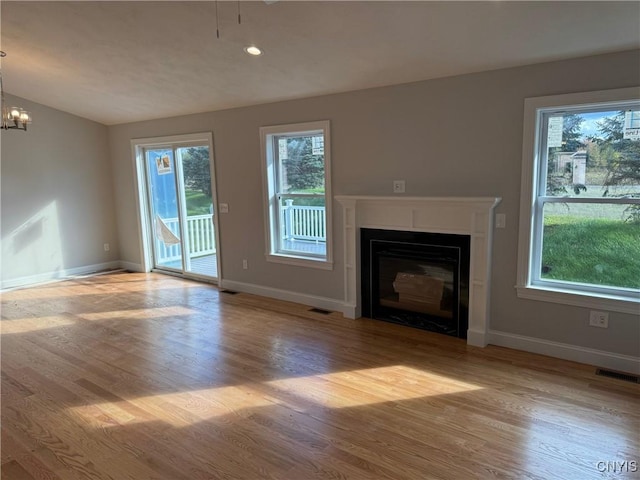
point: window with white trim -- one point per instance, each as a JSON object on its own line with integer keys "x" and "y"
{"x": 296, "y": 165}
{"x": 580, "y": 208}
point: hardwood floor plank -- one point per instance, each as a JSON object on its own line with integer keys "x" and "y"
{"x": 14, "y": 471}
{"x": 27, "y": 460}
{"x": 144, "y": 376}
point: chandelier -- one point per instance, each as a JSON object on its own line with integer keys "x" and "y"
{"x": 12, "y": 117}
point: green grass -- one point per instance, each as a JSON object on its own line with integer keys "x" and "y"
{"x": 595, "y": 251}
{"x": 197, "y": 203}
{"x": 310, "y": 202}
{"x": 312, "y": 190}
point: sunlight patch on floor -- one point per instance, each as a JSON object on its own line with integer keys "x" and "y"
{"x": 333, "y": 390}
{"x": 33, "y": 324}
{"x": 178, "y": 409}
{"x": 139, "y": 313}
{"x": 107, "y": 289}
{"x": 372, "y": 385}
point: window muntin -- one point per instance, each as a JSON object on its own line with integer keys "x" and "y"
{"x": 296, "y": 160}
{"x": 585, "y": 234}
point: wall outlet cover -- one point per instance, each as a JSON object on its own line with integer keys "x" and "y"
{"x": 598, "y": 319}
{"x": 398, "y": 186}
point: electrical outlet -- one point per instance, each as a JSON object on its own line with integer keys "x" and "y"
{"x": 398, "y": 186}
{"x": 106, "y": 247}
{"x": 598, "y": 319}
{"x": 245, "y": 264}
{"x": 224, "y": 208}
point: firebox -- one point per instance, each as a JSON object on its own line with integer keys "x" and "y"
{"x": 416, "y": 279}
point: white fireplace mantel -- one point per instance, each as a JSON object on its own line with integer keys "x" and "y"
{"x": 471, "y": 216}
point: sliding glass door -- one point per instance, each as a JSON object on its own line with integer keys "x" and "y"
{"x": 180, "y": 209}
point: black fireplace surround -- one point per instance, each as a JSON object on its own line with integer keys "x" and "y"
{"x": 416, "y": 279}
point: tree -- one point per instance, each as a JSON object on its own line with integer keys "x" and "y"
{"x": 195, "y": 166}
{"x": 559, "y": 179}
{"x": 622, "y": 163}
{"x": 571, "y": 132}
{"x": 303, "y": 169}
{"x": 611, "y": 128}
{"x": 557, "y": 182}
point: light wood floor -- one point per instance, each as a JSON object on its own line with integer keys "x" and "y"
{"x": 133, "y": 376}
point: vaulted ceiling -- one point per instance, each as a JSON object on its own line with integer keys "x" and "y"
{"x": 117, "y": 62}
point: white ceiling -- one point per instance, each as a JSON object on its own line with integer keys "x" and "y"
{"x": 117, "y": 62}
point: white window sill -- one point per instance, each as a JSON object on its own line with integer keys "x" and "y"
{"x": 300, "y": 261}
{"x": 614, "y": 303}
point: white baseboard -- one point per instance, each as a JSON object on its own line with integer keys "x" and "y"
{"x": 589, "y": 356}
{"x": 57, "y": 275}
{"x": 134, "y": 267}
{"x": 302, "y": 298}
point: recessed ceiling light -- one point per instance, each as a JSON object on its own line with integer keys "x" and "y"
{"x": 253, "y": 50}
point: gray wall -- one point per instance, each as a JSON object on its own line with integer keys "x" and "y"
{"x": 458, "y": 136}
{"x": 56, "y": 196}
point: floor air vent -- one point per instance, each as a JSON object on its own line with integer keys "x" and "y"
{"x": 627, "y": 377}
{"x": 230, "y": 292}
{"x": 319, "y": 310}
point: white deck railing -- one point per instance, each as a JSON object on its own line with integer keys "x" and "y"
{"x": 304, "y": 223}
{"x": 300, "y": 223}
{"x": 200, "y": 234}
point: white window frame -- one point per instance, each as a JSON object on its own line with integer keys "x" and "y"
{"x": 271, "y": 210}
{"x": 529, "y": 285}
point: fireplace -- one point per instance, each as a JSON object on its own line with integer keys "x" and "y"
{"x": 418, "y": 279}
{"x": 465, "y": 216}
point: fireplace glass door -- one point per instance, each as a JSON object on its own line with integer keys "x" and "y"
{"x": 416, "y": 279}
{"x": 416, "y": 282}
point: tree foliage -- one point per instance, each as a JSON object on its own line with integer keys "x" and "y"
{"x": 611, "y": 129}
{"x": 622, "y": 162}
{"x": 304, "y": 170}
{"x": 559, "y": 180}
{"x": 195, "y": 166}
{"x": 571, "y": 132}
{"x": 623, "y": 165}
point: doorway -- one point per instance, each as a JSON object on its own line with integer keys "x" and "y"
{"x": 178, "y": 208}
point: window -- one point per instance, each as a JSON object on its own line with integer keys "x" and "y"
{"x": 580, "y": 206}
{"x": 296, "y": 161}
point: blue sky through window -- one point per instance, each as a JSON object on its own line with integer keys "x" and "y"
{"x": 589, "y": 127}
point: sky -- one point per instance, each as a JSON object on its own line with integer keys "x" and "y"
{"x": 590, "y": 124}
